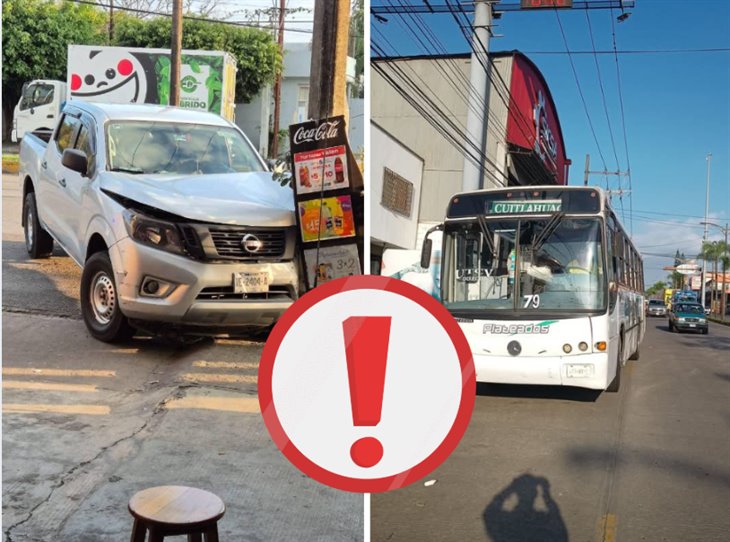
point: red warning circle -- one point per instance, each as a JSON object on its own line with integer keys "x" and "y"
{"x": 366, "y": 384}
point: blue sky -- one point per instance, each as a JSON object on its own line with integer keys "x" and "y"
{"x": 677, "y": 106}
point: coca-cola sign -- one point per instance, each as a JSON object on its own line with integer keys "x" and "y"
{"x": 326, "y": 130}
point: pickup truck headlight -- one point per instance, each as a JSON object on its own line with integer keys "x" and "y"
{"x": 153, "y": 232}
{"x": 680, "y": 319}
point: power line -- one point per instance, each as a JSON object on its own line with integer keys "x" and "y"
{"x": 580, "y": 90}
{"x": 603, "y": 93}
{"x": 633, "y": 51}
{"x": 191, "y": 17}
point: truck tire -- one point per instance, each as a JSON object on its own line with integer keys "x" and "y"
{"x": 615, "y": 385}
{"x": 100, "y": 302}
{"x": 38, "y": 242}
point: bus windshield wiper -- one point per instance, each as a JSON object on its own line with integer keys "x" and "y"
{"x": 548, "y": 230}
{"x": 485, "y": 231}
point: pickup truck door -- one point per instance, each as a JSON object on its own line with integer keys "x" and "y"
{"x": 73, "y": 196}
{"x": 52, "y": 203}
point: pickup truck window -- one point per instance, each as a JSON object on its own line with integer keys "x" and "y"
{"x": 83, "y": 143}
{"x": 178, "y": 148}
{"x": 65, "y": 132}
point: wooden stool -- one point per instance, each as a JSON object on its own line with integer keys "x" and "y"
{"x": 175, "y": 510}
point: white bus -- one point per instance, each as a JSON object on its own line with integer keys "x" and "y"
{"x": 545, "y": 284}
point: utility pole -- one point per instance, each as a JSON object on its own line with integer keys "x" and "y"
{"x": 111, "y": 21}
{"x": 175, "y": 47}
{"x": 476, "y": 119}
{"x": 277, "y": 85}
{"x": 704, "y": 236}
{"x": 328, "y": 74}
{"x": 587, "y": 172}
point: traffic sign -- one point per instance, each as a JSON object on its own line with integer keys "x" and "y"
{"x": 366, "y": 384}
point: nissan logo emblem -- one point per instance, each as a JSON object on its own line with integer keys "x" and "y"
{"x": 251, "y": 243}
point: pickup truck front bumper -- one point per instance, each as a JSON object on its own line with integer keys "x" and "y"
{"x": 203, "y": 293}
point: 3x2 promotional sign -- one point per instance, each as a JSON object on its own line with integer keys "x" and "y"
{"x": 328, "y": 195}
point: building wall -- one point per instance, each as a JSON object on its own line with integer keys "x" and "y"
{"x": 443, "y": 162}
{"x": 389, "y": 228}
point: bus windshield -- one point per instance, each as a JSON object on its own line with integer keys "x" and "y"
{"x": 525, "y": 265}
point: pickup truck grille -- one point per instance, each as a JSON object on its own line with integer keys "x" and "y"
{"x": 248, "y": 243}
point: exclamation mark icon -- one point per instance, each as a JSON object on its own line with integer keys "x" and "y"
{"x": 366, "y": 348}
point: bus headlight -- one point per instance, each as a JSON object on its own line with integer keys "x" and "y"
{"x": 582, "y": 346}
{"x": 567, "y": 348}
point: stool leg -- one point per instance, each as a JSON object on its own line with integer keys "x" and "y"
{"x": 195, "y": 537}
{"x": 156, "y": 535}
{"x": 138, "y": 531}
{"x": 211, "y": 534}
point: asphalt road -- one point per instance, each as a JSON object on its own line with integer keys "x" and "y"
{"x": 86, "y": 424}
{"x": 551, "y": 465}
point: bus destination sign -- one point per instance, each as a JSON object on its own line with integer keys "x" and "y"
{"x": 510, "y": 207}
{"x": 539, "y": 4}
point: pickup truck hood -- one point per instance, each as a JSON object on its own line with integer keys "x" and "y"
{"x": 242, "y": 199}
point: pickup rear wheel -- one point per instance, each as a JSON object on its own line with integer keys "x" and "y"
{"x": 38, "y": 242}
{"x": 100, "y": 301}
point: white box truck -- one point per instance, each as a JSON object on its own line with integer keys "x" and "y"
{"x": 129, "y": 75}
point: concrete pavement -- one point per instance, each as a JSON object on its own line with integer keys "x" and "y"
{"x": 86, "y": 424}
{"x": 548, "y": 464}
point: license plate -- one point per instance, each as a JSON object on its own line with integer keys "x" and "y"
{"x": 693, "y": 325}
{"x": 580, "y": 371}
{"x": 250, "y": 283}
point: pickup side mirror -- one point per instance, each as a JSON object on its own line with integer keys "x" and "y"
{"x": 426, "y": 253}
{"x": 75, "y": 160}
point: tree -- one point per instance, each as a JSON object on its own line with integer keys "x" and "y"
{"x": 36, "y": 35}
{"x": 357, "y": 46}
{"x": 257, "y": 55}
{"x": 656, "y": 288}
{"x": 712, "y": 251}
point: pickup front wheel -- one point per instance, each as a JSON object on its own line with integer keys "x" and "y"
{"x": 100, "y": 302}
{"x": 38, "y": 242}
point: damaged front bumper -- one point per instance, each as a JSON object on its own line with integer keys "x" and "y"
{"x": 202, "y": 293}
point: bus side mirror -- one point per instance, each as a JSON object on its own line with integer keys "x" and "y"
{"x": 426, "y": 253}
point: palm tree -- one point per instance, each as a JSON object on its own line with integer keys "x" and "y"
{"x": 711, "y": 251}
{"x": 725, "y": 259}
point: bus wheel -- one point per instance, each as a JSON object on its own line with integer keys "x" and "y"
{"x": 616, "y": 384}
{"x": 635, "y": 355}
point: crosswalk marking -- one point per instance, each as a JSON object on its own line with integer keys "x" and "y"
{"x": 225, "y": 365}
{"x": 31, "y": 371}
{"x": 48, "y": 386}
{"x": 229, "y": 378}
{"x": 27, "y": 408}
{"x": 229, "y": 404}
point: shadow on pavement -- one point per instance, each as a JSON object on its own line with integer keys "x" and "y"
{"x": 590, "y": 457}
{"x": 525, "y": 511}
{"x": 723, "y": 376}
{"x": 565, "y": 393}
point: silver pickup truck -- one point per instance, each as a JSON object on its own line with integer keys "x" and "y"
{"x": 172, "y": 214}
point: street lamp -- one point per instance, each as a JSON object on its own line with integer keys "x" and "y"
{"x": 723, "y": 299}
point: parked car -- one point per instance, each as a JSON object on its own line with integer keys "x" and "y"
{"x": 656, "y": 307}
{"x": 687, "y": 317}
{"x": 171, "y": 213}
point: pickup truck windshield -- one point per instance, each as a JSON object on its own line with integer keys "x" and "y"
{"x": 178, "y": 149}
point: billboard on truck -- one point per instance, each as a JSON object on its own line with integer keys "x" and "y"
{"x": 138, "y": 75}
